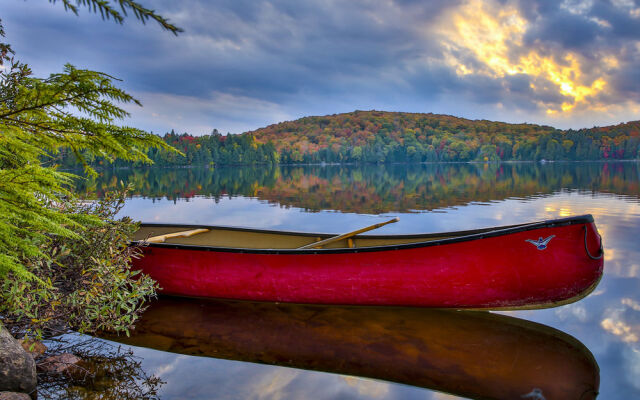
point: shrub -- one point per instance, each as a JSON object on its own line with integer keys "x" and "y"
{"x": 85, "y": 283}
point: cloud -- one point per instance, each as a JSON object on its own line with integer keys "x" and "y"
{"x": 570, "y": 63}
{"x": 487, "y": 38}
{"x": 568, "y": 30}
{"x": 227, "y": 112}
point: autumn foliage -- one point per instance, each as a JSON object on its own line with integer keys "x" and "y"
{"x": 377, "y": 136}
{"x": 390, "y": 137}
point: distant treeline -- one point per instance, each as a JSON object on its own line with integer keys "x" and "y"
{"x": 384, "y": 137}
{"x": 198, "y": 150}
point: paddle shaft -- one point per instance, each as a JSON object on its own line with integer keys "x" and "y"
{"x": 347, "y": 235}
{"x": 162, "y": 238}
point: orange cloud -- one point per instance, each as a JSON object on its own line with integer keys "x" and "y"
{"x": 486, "y": 38}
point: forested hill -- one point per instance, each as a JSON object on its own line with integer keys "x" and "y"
{"x": 377, "y": 136}
{"x": 382, "y": 137}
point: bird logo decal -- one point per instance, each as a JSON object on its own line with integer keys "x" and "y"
{"x": 541, "y": 243}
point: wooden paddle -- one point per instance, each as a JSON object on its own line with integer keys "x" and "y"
{"x": 347, "y": 235}
{"x": 162, "y": 238}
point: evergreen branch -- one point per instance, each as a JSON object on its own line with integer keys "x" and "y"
{"x": 143, "y": 14}
{"x": 107, "y": 11}
{"x": 60, "y": 261}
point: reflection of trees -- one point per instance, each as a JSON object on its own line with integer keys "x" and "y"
{"x": 184, "y": 183}
{"x": 377, "y": 188}
{"x": 105, "y": 372}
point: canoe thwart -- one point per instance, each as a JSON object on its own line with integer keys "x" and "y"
{"x": 347, "y": 235}
{"x": 162, "y": 238}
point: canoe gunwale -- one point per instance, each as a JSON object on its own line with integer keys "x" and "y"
{"x": 453, "y": 237}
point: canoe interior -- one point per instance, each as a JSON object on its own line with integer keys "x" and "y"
{"x": 227, "y": 237}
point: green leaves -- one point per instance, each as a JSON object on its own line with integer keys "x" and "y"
{"x": 108, "y": 11}
{"x": 65, "y": 264}
{"x": 85, "y": 282}
{"x": 77, "y": 109}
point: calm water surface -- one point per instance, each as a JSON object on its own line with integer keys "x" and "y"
{"x": 215, "y": 348}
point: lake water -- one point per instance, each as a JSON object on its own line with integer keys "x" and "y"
{"x": 219, "y": 349}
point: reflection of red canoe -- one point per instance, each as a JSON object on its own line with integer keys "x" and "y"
{"x": 467, "y": 353}
{"x": 524, "y": 266}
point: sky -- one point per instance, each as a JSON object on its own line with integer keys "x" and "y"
{"x": 240, "y": 65}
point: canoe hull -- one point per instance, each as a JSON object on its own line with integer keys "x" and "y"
{"x": 502, "y": 270}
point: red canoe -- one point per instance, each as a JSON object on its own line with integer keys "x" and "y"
{"x": 536, "y": 265}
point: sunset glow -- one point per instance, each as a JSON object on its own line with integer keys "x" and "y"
{"x": 486, "y": 38}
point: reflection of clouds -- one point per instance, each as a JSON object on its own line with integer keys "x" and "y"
{"x": 562, "y": 211}
{"x": 367, "y": 387}
{"x": 610, "y": 254}
{"x": 632, "y": 361}
{"x": 166, "y": 369}
{"x": 575, "y": 310}
{"x": 619, "y": 328}
{"x": 238, "y": 211}
{"x": 624, "y": 322}
{"x": 203, "y": 378}
{"x": 622, "y": 267}
{"x": 617, "y": 321}
{"x": 634, "y": 305}
{"x": 273, "y": 385}
{"x": 444, "y": 396}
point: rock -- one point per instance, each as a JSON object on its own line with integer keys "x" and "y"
{"x": 17, "y": 368}
{"x": 14, "y": 396}
{"x": 32, "y": 347}
{"x": 66, "y": 363}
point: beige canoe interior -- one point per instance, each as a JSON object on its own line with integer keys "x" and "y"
{"x": 249, "y": 239}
